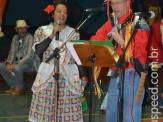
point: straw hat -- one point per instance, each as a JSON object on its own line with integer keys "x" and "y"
{"x": 1, "y": 34}
{"x": 21, "y": 23}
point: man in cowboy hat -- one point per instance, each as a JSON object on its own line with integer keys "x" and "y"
{"x": 21, "y": 59}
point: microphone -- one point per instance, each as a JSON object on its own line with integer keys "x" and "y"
{"x": 100, "y": 9}
{"x": 145, "y": 15}
{"x": 57, "y": 33}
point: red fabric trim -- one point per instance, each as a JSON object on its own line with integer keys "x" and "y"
{"x": 2, "y": 6}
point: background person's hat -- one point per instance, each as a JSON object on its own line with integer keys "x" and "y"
{"x": 21, "y": 23}
{"x": 1, "y": 34}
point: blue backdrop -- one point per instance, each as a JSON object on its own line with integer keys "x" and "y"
{"x": 31, "y": 11}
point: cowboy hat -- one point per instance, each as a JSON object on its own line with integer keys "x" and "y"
{"x": 21, "y": 23}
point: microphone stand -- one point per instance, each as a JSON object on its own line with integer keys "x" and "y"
{"x": 56, "y": 55}
{"x": 92, "y": 59}
{"x": 121, "y": 64}
{"x": 56, "y": 77}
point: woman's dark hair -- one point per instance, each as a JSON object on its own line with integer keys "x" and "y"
{"x": 57, "y": 2}
{"x": 47, "y": 18}
{"x": 75, "y": 13}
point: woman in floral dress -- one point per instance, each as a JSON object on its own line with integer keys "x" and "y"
{"x": 45, "y": 106}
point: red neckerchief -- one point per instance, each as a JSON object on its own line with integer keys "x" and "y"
{"x": 121, "y": 19}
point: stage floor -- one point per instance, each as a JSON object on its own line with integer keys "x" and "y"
{"x": 16, "y": 108}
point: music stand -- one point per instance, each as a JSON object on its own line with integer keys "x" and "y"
{"x": 94, "y": 55}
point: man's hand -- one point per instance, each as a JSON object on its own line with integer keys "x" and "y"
{"x": 118, "y": 37}
{"x": 85, "y": 80}
{"x": 10, "y": 67}
{"x": 56, "y": 28}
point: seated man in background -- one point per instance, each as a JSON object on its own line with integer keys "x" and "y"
{"x": 21, "y": 59}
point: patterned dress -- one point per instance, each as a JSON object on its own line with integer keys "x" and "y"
{"x": 43, "y": 104}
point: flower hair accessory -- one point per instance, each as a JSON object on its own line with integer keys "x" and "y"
{"x": 49, "y": 8}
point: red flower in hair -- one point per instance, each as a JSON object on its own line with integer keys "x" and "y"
{"x": 49, "y": 8}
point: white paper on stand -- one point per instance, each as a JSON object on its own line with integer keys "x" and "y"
{"x": 70, "y": 46}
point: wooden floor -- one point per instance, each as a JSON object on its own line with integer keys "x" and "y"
{"x": 16, "y": 108}
{"x": 152, "y": 120}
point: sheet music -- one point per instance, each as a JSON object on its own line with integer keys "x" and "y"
{"x": 70, "y": 46}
